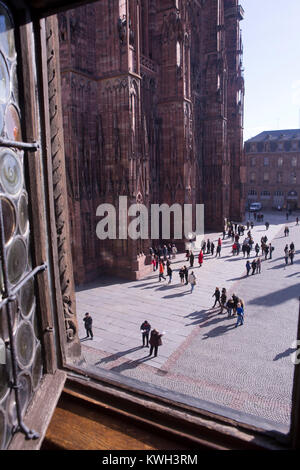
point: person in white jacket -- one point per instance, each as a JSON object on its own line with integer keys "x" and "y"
{"x": 192, "y": 280}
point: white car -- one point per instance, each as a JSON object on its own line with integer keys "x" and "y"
{"x": 255, "y": 206}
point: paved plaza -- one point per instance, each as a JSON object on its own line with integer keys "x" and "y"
{"x": 247, "y": 369}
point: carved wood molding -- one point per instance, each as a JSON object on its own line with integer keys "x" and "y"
{"x": 70, "y": 341}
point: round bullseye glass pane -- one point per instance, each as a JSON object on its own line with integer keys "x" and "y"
{"x": 2, "y": 429}
{"x": 7, "y": 37}
{"x": 13, "y": 124}
{"x": 25, "y": 343}
{"x": 9, "y": 218}
{"x": 4, "y": 81}
{"x": 37, "y": 368}
{"x": 17, "y": 261}
{"x": 23, "y": 214}
{"x": 10, "y": 172}
{"x": 27, "y": 297}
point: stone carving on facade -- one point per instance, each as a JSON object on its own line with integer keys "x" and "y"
{"x": 63, "y": 28}
{"x": 122, "y": 29}
{"x": 59, "y": 185}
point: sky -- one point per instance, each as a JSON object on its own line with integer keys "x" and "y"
{"x": 271, "y": 39}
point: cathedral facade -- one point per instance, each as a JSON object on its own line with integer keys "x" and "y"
{"x": 152, "y": 94}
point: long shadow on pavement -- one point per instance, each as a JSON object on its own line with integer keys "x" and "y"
{"x": 220, "y": 330}
{"x": 277, "y": 297}
{"x": 130, "y": 364}
{"x": 286, "y": 353}
{"x": 113, "y": 357}
{"x": 173, "y": 296}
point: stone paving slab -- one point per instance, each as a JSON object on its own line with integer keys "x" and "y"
{"x": 203, "y": 355}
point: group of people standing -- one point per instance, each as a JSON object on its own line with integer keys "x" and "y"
{"x": 234, "y": 305}
{"x": 155, "y": 338}
{"x": 289, "y": 253}
{"x": 159, "y": 254}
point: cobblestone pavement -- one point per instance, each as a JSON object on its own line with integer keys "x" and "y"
{"x": 247, "y": 369}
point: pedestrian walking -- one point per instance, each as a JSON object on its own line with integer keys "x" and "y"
{"x": 212, "y": 248}
{"x": 266, "y": 251}
{"x": 161, "y": 271}
{"x": 267, "y": 225}
{"x": 297, "y": 220}
{"x": 192, "y": 257}
{"x": 286, "y": 254}
{"x": 248, "y": 249}
{"x": 88, "y": 322}
{"x": 286, "y": 231}
{"x": 253, "y": 266}
{"x": 200, "y": 258}
{"x": 155, "y": 342}
{"x": 217, "y": 296}
{"x": 287, "y": 216}
{"x": 291, "y": 255}
{"x": 292, "y": 246}
{"x": 223, "y": 299}
{"x": 258, "y": 265}
{"x": 208, "y": 247}
{"x": 218, "y": 251}
{"x": 192, "y": 280}
{"x": 248, "y": 267}
{"x": 257, "y": 249}
{"x": 181, "y": 275}
{"x": 240, "y": 315}
{"x": 235, "y": 302}
{"x": 174, "y": 251}
{"x": 186, "y": 274}
{"x": 169, "y": 273}
{"x": 271, "y": 249}
{"x": 244, "y": 249}
{"x": 145, "y": 327}
{"x": 230, "y": 306}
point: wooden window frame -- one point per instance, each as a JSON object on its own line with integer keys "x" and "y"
{"x": 60, "y": 332}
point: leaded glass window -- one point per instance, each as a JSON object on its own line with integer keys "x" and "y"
{"x": 20, "y": 346}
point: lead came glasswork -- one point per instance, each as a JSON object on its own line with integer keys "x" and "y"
{"x": 17, "y": 261}
{"x": 37, "y": 367}
{"x": 9, "y": 218}
{"x": 23, "y": 214}
{"x": 27, "y": 297}
{"x": 13, "y": 124}
{"x": 18, "y": 319}
{"x": 7, "y": 38}
{"x": 26, "y": 388}
{"x": 25, "y": 344}
{"x": 10, "y": 172}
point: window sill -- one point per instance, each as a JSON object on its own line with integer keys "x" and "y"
{"x": 40, "y": 411}
{"x": 191, "y": 428}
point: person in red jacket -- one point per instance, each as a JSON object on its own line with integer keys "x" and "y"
{"x": 161, "y": 271}
{"x": 200, "y": 258}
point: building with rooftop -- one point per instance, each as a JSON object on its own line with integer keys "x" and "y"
{"x": 272, "y": 160}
